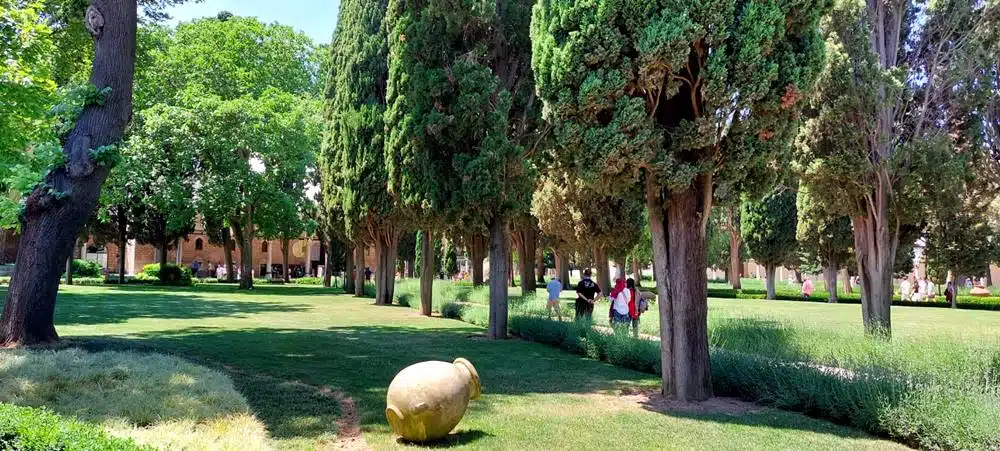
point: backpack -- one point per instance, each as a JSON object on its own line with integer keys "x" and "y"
{"x": 643, "y": 304}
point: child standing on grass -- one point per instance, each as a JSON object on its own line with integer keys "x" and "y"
{"x": 624, "y": 309}
{"x": 555, "y": 289}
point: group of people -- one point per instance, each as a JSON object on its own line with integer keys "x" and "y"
{"x": 627, "y": 303}
{"x": 921, "y": 290}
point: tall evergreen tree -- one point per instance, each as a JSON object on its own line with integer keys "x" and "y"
{"x": 355, "y": 105}
{"x": 880, "y": 148}
{"x": 824, "y": 236}
{"x": 460, "y": 111}
{"x": 768, "y": 229}
{"x": 673, "y": 96}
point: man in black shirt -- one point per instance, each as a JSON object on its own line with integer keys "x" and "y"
{"x": 587, "y": 292}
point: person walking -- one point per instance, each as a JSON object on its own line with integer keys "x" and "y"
{"x": 622, "y": 307}
{"x": 619, "y": 287}
{"x": 807, "y": 288}
{"x": 587, "y": 292}
{"x": 554, "y": 287}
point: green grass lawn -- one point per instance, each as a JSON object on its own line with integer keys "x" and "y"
{"x": 282, "y": 344}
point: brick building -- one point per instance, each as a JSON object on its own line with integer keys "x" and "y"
{"x": 304, "y": 256}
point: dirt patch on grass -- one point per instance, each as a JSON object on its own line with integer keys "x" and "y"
{"x": 653, "y": 400}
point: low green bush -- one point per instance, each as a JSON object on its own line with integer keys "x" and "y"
{"x": 452, "y": 310}
{"x": 30, "y": 429}
{"x": 170, "y": 274}
{"x": 945, "y": 401}
{"x": 87, "y": 268}
{"x": 964, "y": 302}
{"x": 308, "y": 281}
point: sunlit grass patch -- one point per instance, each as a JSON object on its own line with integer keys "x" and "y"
{"x": 158, "y": 400}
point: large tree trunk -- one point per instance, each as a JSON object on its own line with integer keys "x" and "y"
{"x": 122, "y": 242}
{"x": 798, "y": 276}
{"x": 498, "y": 287}
{"x": 687, "y": 217}
{"x": 603, "y": 270}
{"x": 386, "y": 247}
{"x": 526, "y": 246}
{"x": 359, "y": 270}
{"x": 327, "y": 265}
{"x": 55, "y": 213}
{"x": 69, "y": 270}
{"x": 510, "y": 261}
{"x": 3, "y": 246}
{"x": 735, "y": 243}
{"x": 477, "y": 249}
{"x": 427, "y": 273}
{"x": 830, "y": 281}
{"x": 562, "y": 268}
{"x": 657, "y": 222}
{"x": 244, "y": 239}
{"x": 682, "y": 287}
{"x": 285, "y": 243}
{"x": 769, "y": 271}
{"x": 875, "y": 245}
{"x": 540, "y": 267}
{"x": 164, "y": 248}
{"x": 637, "y": 272}
{"x": 227, "y": 249}
{"x": 349, "y": 252}
{"x": 846, "y": 275}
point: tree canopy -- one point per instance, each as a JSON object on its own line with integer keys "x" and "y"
{"x": 670, "y": 95}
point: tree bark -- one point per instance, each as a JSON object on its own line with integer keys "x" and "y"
{"x": 227, "y": 248}
{"x": 510, "y": 261}
{"x": 562, "y": 268}
{"x": 244, "y": 232}
{"x": 122, "y": 242}
{"x": 603, "y": 270}
{"x": 769, "y": 270}
{"x": 687, "y": 217}
{"x": 848, "y": 289}
{"x": 327, "y": 265}
{"x": 540, "y": 267}
{"x": 3, "y": 246}
{"x": 69, "y": 270}
{"x": 798, "y": 276}
{"x": 875, "y": 245}
{"x": 359, "y": 270}
{"x": 735, "y": 243}
{"x": 526, "y": 251}
{"x": 349, "y": 252}
{"x": 51, "y": 222}
{"x": 830, "y": 281}
{"x": 498, "y": 289}
{"x": 637, "y": 272}
{"x": 477, "y": 251}
{"x": 386, "y": 247}
{"x": 427, "y": 273}
{"x": 163, "y": 254}
{"x": 657, "y": 222}
{"x": 285, "y": 242}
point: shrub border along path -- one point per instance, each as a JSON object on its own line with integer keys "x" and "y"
{"x": 882, "y": 401}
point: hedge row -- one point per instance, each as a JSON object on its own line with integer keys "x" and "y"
{"x": 964, "y": 302}
{"x": 29, "y": 429}
{"x": 933, "y": 414}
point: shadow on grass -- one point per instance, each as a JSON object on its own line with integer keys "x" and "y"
{"x": 457, "y": 438}
{"x": 282, "y": 372}
{"x": 120, "y": 304}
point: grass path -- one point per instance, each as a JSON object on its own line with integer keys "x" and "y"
{"x": 285, "y": 345}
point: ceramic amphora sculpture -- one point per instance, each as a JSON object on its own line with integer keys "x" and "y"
{"x": 427, "y": 400}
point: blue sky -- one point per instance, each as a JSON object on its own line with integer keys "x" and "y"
{"x": 315, "y": 18}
